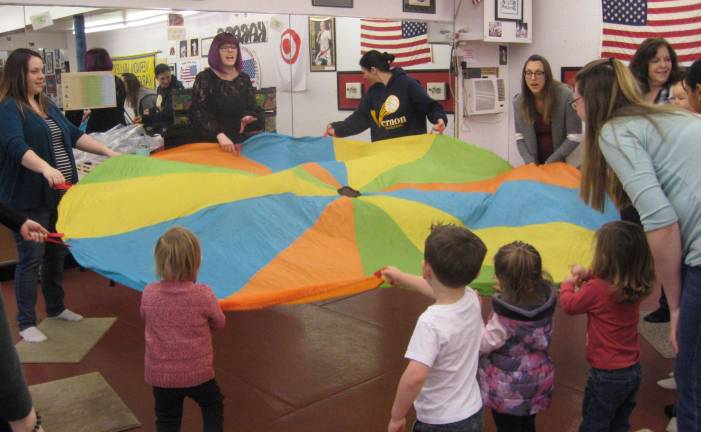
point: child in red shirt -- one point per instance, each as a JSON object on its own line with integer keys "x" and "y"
{"x": 622, "y": 274}
{"x": 179, "y": 316}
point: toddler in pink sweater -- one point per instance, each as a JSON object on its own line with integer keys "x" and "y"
{"x": 179, "y": 316}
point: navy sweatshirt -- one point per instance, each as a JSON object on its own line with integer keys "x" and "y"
{"x": 396, "y": 110}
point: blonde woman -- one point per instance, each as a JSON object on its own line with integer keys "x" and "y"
{"x": 650, "y": 154}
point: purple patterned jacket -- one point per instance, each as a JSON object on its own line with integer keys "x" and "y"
{"x": 516, "y": 374}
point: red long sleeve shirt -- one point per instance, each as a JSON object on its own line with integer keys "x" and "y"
{"x": 612, "y": 328}
{"x": 179, "y": 318}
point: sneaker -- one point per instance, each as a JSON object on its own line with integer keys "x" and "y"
{"x": 32, "y": 334}
{"x": 658, "y": 316}
{"x": 672, "y": 425}
{"x": 667, "y": 383}
{"x": 67, "y": 315}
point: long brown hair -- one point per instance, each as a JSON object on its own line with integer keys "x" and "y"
{"x": 609, "y": 90}
{"x": 519, "y": 272}
{"x": 623, "y": 258}
{"x": 13, "y": 83}
{"x": 527, "y": 107}
{"x": 132, "y": 84}
{"x": 640, "y": 63}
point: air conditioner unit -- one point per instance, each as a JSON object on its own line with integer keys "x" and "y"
{"x": 484, "y": 96}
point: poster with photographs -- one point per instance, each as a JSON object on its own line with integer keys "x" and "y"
{"x": 322, "y": 44}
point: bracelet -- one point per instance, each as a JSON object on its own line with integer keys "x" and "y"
{"x": 37, "y": 425}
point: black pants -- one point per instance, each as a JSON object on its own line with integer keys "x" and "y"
{"x": 630, "y": 214}
{"x": 510, "y": 423}
{"x": 169, "y": 406}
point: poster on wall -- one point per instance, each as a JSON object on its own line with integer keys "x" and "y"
{"x": 176, "y": 27}
{"x": 183, "y": 49}
{"x": 205, "y": 43}
{"x": 194, "y": 47}
{"x": 141, "y": 65}
{"x": 322, "y": 44}
{"x": 188, "y": 71}
{"x": 248, "y": 33}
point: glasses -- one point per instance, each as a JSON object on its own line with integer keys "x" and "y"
{"x": 229, "y": 48}
{"x": 573, "y": 103}
{"x": 538, "y": 74}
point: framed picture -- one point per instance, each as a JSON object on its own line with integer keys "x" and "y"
{"x": 495, "y": 29}
{"x": 173, "y": 69}
{"x": 205, "y": 43}
{"x": 354, "y": 90}
{"x": 503, "y": 55}
{"x": 436, "y": 90}
{"x": 48, "y": 62}
{"x": 508, "y": 10}
{"x": 183, "y": 49}
{"x": 521, "y": 30}
{"x": 194, "y": 47}
{"x": 419, "y": 6}
{"x": 435, "y": 78}
{"x": 333, "y": 3}
{"x": 567, "y": 74}
{"x": 322, "y": 44}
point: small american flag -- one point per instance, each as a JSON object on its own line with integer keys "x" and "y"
{"x": 406, "y": 40}
{"x": 629, "y": 22}
{"x": 189, "y": 71}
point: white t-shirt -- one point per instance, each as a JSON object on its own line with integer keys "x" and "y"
{"x": 447, "y": 339}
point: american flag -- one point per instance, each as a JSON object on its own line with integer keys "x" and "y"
{"x": 250, "y": 65}
{"x": 188, "y": 72}
{"x": 406, "y": 40}
{"x": 629, "y": 22}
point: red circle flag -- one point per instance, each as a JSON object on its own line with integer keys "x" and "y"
{"x": 290, "y": 46}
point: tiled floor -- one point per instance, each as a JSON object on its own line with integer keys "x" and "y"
{"x": 332, "y": 366}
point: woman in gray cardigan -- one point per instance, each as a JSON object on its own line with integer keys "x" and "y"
{"x": 547, "y": 128}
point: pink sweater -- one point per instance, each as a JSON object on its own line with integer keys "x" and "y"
{"x": 179, "y": 316}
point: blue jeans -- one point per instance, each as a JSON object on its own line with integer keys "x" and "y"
{"x": 687, "y": 369}
{"x": 32, "y": 258}
{"x": 474, "y": 423}
{"x": 609, "y": 399}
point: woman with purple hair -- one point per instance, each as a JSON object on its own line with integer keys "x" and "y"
{"x": 224, "y": 108}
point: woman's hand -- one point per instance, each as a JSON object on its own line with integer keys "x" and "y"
{"x": 226, "y": 144}
{"x": 245, "y": 121}
{"x": 438, "y": 127}
{"x": 32, "y": 231}
{"x": 330, "y": 131}
{"x": 52, "y": 175}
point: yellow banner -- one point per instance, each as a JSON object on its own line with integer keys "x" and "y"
{"x": 141, "y": 65}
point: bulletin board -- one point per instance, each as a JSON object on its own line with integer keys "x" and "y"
{"x": 423, "y": 76}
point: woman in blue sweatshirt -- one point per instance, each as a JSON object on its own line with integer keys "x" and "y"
{"x": 396, "y": 105}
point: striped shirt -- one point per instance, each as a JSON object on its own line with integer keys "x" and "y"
{"x": 63, "y": 161}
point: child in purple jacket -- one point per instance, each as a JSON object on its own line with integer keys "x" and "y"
{"x": 179, "y": 315}
{"x": 516, "y": 373}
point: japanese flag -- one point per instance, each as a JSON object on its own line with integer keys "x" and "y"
{"x": 292, "y": 55}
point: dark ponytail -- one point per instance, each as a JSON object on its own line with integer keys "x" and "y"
{"x": 376, "y": 59}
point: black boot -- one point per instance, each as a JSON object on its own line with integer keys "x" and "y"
{"x": 661, "y": 315}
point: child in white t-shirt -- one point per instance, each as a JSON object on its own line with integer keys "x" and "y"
{"x": 441, "y": 378}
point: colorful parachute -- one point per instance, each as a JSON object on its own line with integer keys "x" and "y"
{"x": 302, "y": 219}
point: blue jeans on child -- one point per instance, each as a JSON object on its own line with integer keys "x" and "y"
{"x": 609, "y": 399}
{"x": 169, "y": 406}
{"x": 474, "y": 423}
{"x": 31, "y": 258}
{"x": 687, "y": 369}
